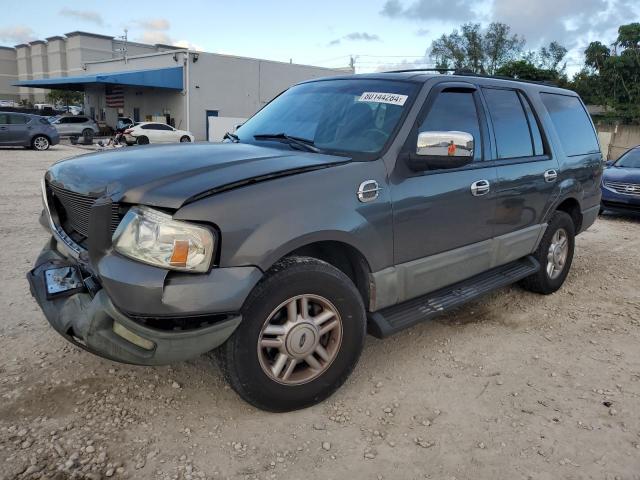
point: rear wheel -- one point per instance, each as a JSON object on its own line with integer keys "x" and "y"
{"x": 143, "y": 140}
{"x": 555, "y": 254}
{"x": 40, "y": 142}
{"x": 184, "y": 139}
{"x": 302, "y": 333}
{"x": 87, "y": 133}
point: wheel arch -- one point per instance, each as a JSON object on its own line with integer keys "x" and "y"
{"x": 571, "y": 206}
{"x": 343, "y": 256}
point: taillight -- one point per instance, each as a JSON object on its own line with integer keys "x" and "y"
{"x": 128, "y": 130}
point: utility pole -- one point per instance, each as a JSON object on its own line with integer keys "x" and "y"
{"x": 352, "y": 62}
{"x": 123, "y": 50}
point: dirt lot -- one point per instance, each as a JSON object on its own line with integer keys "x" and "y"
{"x": 515, "y": 386}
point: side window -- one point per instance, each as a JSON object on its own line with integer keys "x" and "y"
{"x": 148, "y": 126}
{"x": 536, "y": 137}
{"x": 455, "y": 111}
{"x": 571, "y": 123}
{"x": 64, "y": 120}
{"x": 164, "y": 127}
{"x": 510, "y": 125}
{"x": 18, "y": 119}
{"x": 4, "y": 118}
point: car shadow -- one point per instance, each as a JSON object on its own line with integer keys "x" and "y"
{"x": 620, "y": 215}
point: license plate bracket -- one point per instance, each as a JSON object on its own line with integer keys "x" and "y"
{"x": 63, "y": 281}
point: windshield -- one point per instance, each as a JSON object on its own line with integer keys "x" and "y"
{"x": 631, "y": 159}
{"x": 336, "y": 115}
{"x": 54, "y": 118}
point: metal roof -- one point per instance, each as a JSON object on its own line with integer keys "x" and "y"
{"x": 169, "y": 78}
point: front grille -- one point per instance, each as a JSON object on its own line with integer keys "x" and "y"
{"x": 624, "y": 188}
{"x": 74, "y": 210}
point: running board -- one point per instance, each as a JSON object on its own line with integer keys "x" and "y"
{"x": 390, "y": 320}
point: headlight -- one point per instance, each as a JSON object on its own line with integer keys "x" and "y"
{"x": 155, "y": 238}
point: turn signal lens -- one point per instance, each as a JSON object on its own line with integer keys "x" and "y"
{"x": 180, "y": 253}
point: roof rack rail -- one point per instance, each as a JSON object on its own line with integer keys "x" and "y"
{"x": 469, "y": 73}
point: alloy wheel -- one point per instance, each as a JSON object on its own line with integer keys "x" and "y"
{"x": 41, "y": 143}
{"x": 558, "y": 253}
{"x": 300, "y": 339}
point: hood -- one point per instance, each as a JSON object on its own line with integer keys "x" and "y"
{"x": 169, "y": 176}
{"x": 622, "y": 175}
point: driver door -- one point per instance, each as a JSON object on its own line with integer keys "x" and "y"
{"x": 443, "y": 217}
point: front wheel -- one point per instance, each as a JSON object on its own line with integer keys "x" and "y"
{"x": 555, "y": 254}
{"x": 185, "y": 139}
{"x": 301, "y": 335}
{"x": 143, "y": 140}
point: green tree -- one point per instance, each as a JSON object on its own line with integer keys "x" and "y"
{"x": 473, "y": 49}
{"x": 612, "y": 77}
{"x": 65, "y": 97}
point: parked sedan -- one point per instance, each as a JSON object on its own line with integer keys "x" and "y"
{"x": 23, "y": 130}
{"x": 153, "y": 132}
{"x": 70, "y": 125}
{"x": 621, "y": 183}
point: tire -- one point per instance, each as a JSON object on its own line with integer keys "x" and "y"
{"x": 185, "y": 139}
{"x": 143, "y": 140}
{"x": 40, "y": 143}
{"x": 88, "y": 133}
{"x": 249, "y": 366}
{"x": 554, "y": 267}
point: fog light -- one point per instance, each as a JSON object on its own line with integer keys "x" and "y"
{"x": 132, "y": 337}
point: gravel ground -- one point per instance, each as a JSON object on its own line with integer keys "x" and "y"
{"x": 515, "y": 386}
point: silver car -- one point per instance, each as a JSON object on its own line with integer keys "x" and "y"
{"x": 70, "y": 125}
{"x": 23, "y": 130}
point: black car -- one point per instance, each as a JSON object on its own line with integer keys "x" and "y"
{"x": 346, "y": 205}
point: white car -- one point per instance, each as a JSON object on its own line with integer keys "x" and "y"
{"x": 153, "y": 132}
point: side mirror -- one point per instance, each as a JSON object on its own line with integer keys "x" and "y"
{"x": 609, "y": 163}
{"x": 436, "y": 150}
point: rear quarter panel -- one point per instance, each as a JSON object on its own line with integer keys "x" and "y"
{"x": 579, "y": 176}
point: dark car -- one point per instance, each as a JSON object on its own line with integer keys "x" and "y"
{"x": 367, "y": 202}
{"x": 21, "y": 129}
{"x": 621, "y": 183}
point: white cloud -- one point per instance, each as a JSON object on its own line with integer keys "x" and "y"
{"x": 17, "y": 34}
{"x": 83, "y": 15}
{"x": 155, "y": 24}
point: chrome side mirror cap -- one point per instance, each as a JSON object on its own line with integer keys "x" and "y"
{"x": 445, "y": 149}
{"x": 445, "y": 144}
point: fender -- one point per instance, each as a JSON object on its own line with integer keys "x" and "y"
{"x": 262, "y": 222}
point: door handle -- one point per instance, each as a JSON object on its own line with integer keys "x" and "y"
{"x": 550, "y": 176}
{"x": 481, "y": 187}
{"x": 3, "y": 128}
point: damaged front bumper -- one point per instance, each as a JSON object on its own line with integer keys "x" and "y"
{"x": 91, "y": 321}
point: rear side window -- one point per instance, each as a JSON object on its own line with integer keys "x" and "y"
{"x": 455, "y": 111}
{"x": 4, "y": 118}
{"x": 18, "y": 119}
{"x": 571, "y": 123}
{"x": 510, "y": 125}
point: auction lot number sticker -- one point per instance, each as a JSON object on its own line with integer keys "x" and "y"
{"x": 380, "y": 97}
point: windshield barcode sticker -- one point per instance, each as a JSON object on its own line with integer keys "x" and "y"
{"x": 379, "y": 97}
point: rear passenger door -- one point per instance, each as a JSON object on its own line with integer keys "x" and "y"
{"x": 19, "y": 129}
{"x": 527, "y": 173}
{"x": 4, "y": 129}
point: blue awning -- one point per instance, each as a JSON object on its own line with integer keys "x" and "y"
{"x": 169, "y": 78}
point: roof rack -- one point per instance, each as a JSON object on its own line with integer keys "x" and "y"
{"x": 469, "y": 73}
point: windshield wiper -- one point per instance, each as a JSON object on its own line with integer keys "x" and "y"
{"x": 231, "y": 136}
{"x": 303, "y": 143}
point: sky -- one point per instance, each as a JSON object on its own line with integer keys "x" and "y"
{"x": 380, "y": 34}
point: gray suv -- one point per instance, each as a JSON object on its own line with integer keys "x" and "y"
{"x": 75, "y": 125}
{"x": 23, "y": 130}
{"x": 346, "y": 205}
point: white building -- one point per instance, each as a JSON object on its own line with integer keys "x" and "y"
{"x": 202, "y": 92}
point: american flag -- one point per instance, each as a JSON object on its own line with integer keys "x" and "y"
{"x": 114, "y": 97}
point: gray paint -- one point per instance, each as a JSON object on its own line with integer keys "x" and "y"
{"x": 412, "y": 279}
